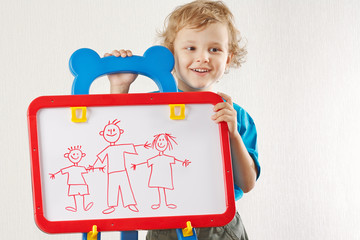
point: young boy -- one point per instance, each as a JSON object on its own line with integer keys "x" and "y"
{"x": 205, "y": 44}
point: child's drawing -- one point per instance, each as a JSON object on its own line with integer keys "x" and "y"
{"x": 118, "y": 182}
{"x": 75, "y": 180}
{"x": 161, "y": 174}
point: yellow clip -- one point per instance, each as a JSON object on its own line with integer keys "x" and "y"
{"x": 74, "y": 117}
{"x": 188, "y": 230}
{"x": 92, "y": 235}
{"x": 173, "y": 114}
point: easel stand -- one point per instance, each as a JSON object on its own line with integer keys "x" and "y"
{"x": 164, "y": 81}
{"x": 187, "y": 233}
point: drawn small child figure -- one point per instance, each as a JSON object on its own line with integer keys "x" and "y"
{"x": 75, "y": 180}
{"x": 161, "y": 174}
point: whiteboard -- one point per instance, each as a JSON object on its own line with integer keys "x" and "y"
{"x": 124, "y": 183}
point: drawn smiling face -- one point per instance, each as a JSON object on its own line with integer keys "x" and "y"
{"x": 111, "y": 133}
{"x": 161, "y": 143}
{"x": 75, "y": 156}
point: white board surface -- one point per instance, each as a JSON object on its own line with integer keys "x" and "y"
{"x": 129, "y": 162}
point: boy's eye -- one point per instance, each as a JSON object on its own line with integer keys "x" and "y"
{"x": 214, "y": 50}
{"x": 190, "y": 48}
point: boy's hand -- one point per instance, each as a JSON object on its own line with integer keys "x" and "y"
{"x": 120, "y": 82}
{"x": 226, "y": 112}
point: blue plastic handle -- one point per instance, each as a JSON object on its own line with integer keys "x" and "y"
{"x": 157, "y": 64}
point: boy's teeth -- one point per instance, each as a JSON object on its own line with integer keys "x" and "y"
{"x": 200, "y": 70}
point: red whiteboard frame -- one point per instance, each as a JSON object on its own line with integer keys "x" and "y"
{"x": 127, "y": 224}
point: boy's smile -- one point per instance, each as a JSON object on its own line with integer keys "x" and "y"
{"x": 201, "y": 56}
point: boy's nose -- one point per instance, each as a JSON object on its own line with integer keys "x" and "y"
{"x": 203, "y": 56}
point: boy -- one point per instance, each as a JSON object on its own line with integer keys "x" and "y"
{"x": 205, "y": 44}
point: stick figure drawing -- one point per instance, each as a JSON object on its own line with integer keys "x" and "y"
{"x": 75, "y": 178}
{"x": 118, "y": 182}
{"x": 161, "y": 174}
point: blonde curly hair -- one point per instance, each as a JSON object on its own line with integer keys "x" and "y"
{"x": 199, "y": 14}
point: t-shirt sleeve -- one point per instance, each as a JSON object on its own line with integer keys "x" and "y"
{"x": 248, "y": 133}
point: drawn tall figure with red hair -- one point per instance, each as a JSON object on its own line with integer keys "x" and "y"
{"x": 118, "y": 179}
{"x": 161, "y": 174}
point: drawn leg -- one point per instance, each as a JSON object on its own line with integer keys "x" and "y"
{"x": 156, "y": 206}
{"x": 126, "y": 192}
{"x": 72, "y": 209}
{"x": 171, "y": 206}
{"x": 112, "y": 193}
{"x": 87, "y": 208}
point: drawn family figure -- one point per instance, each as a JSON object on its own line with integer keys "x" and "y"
{"x": 118, "y": 182}
{"x": 78, "y": 187}
{"x": 161, "y": 173}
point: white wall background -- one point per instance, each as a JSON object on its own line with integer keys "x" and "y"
{"x": 300, "y": 84}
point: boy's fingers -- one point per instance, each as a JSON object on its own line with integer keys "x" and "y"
{"x": 115, "y": 53}
{"x": 118, "y": 53}
{"x": 226, "y": 97}
{"x": 123, "y": 53}
{"x": 223, "y": 118}
{"x": 222, "y": 112}
{"x": 224, "y": 105}
{"x": 129, "y": 53}
{"x": 221, "y": 105}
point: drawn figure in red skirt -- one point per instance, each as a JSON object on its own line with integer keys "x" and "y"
{"x": 118, "y": 182}
{"x": 75, "y": 179}
{"x": 161, "y": 174}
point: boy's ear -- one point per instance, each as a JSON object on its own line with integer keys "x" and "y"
{"x": 229, "y": 59}
{"x": 101, "y": 133}
{"x": 83, "y": 154}
{"x": 121, "y": 131}
{"x": 66, "y": 155}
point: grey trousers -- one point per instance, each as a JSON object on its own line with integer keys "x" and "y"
{"x": 232, "y": 231}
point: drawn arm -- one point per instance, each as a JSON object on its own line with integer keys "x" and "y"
{"x": 99, "y": 156}
{"x": 185, "y": 163}
{"x": 146, "y": 145}
{"x": 133, "y": 166}
{"x": 52, "y": 175}
{"x": 92, "y": 168}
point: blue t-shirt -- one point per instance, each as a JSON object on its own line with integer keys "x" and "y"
{"x": 248, "y": 133}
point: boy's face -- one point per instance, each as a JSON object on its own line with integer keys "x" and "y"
{"x": 201, "y": 56}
